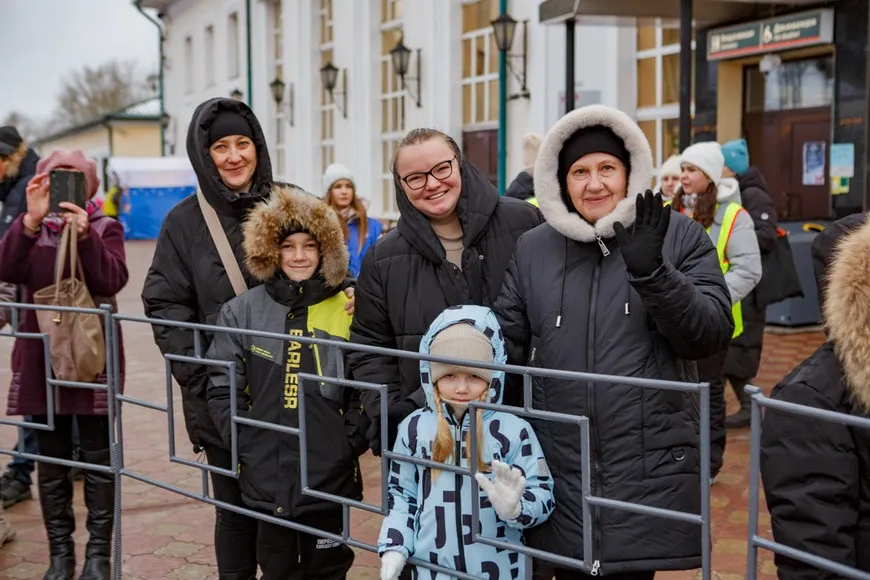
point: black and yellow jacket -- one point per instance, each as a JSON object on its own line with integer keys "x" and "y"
{"x": 267, "y": 383}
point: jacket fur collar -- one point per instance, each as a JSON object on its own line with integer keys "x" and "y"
{"x": 847, "y": 311}
{"x": 547, "y": 189}
{"x": 289, "y": 205}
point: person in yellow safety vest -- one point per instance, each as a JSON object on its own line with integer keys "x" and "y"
{"x": 533, "y": 201}
{"x": 714, "y": 202}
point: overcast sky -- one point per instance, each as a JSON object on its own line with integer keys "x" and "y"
{"x": 42, "y": 40}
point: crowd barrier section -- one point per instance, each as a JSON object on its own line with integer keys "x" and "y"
{"x": 591, "y": 503}
{"x": 759, "y": 402}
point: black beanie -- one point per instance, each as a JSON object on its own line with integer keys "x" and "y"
{"x": 596, "y": 139}
{"x": 229, "y": 123}
{"x": 10, "y": 139}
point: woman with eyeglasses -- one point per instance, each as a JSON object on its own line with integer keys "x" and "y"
{"x": 451, "y": 247}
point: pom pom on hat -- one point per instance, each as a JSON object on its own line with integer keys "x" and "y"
{"x": 707, "y": 157}
{"x": 72, "y": 159}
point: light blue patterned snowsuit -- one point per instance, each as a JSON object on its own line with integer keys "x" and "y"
{"x": 431, "y": 520}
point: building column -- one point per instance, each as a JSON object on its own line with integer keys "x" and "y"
{"x": 303, "y": 140}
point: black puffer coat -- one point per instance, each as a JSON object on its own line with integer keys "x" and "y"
{"x": 568, "y": 303}
{"x": 187, "y": 281}
{"x": 816, "y": 473}
{"x": 744, "y": 356}
{"x": 406, "y": 280}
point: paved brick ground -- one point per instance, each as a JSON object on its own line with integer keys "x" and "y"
{"x": 169, "y": 536}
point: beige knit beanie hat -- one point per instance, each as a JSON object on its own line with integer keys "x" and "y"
{"x": 464, "y": 342}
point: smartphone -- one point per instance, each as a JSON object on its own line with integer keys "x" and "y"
{"x": 67, "y": 186}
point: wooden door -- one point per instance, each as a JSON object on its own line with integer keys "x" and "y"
{"x": 777, "y": 141}
{"x": 481, "y": 148}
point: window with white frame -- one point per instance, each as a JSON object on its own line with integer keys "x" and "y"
{"x": 209, "y": 56}
{"x": 278, "y": 60}
{"x": 658, "y": 88}
{"x": 479, "y": 64}
{"x": 188, "y": 64}
{"x": 233, "y": 45}
{"x": 392, "y": 101}
{"x": 327, "y": 108}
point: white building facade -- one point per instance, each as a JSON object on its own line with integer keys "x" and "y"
{"x": 205, "y": 48}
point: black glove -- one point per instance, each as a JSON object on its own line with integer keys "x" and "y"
{"x": 642, "y": 248}
{"x": 396, "y": 413}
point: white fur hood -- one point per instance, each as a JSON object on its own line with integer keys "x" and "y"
{"x": 568, "y": 223}
{"x": 728, "y": 191}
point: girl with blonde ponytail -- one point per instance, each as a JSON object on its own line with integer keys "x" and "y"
{"x": 428, "y": 507}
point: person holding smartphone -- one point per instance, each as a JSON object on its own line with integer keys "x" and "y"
{"x": 27, "y": 258}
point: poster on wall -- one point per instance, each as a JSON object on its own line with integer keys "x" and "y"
{"x": 842, "y": 160}
{"x": 814, "y": 163}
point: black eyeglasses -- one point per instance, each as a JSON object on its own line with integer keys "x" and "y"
{"x": 440, "y": 172}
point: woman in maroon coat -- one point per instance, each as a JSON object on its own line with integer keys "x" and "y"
{"x": 27, "y": 258}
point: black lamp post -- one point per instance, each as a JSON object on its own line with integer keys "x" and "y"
{"x": 401, "y": 59}
{"x": 277, "y": 87}
{"x": 236, "y": 95}
{"x": 504, "y": 29}
{"x": 329, "y": 79}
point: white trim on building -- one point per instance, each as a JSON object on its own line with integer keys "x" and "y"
{"x": 286, "y": 43}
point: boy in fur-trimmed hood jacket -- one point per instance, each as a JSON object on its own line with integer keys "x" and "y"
{"x": 295, "y": 247}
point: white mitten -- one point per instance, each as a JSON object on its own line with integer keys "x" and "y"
{"x": 505, "y": 490}
{"x": 392, "y": 563}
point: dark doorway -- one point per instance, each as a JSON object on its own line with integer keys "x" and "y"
{"x": 787, "y": 125}
{"x": 785, "y": 146}
{"x": 481, "y": 148}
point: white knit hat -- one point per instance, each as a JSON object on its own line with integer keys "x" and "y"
{"x": 465, "y": 342}
{"x": 671, "y": 167}
{"x": 707, "y": 157}
{"x": 333, "y": 173}
{"x": 531, "y": 144}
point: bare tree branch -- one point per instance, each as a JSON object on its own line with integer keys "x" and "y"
{"x": 92, "y": 92}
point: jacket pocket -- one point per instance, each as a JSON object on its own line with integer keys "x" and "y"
{"x": 678, "y": 460}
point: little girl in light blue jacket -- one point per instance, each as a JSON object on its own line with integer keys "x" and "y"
{"x": 430, "y": 510}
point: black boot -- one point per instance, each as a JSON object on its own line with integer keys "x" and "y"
{"x": 55, "y": 497}
{"x": 100, "y": 500}
{"x": 743, "y": 417}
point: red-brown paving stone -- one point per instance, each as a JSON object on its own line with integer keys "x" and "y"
{"x": 166, "y": 535}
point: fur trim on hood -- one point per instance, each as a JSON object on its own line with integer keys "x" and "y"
{"x": 289, "y": 206}
{"x": 847, "y": 311}
{"x": 547, "y": 189}
{"x": 13, "y": 162}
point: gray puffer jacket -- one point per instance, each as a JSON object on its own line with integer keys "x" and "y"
{"x": 569, "y": 303}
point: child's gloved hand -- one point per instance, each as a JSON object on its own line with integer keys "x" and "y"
{"x": 505, "y": 490}
{"x": 392, "y": 563}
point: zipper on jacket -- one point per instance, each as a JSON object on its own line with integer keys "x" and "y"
{"x": 595, "y": 566}
{"x": 590, "y": 408}
{"x": 604, "y": 251}
{"x": 457, "y": 461}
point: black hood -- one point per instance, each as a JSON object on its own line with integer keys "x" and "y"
{"x": 218, "y": 195}
{"x": 752, "y": 178}
{"x": 477, "y": 201}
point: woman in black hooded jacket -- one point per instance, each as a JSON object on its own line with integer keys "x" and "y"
{"x": 187, "y": 282}
{"x": 451, "y": 247}
{"x": 614, "y": 283}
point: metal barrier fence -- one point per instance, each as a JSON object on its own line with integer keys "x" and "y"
{"x": 759, "y": 401}
{"x": 118, "y": 468}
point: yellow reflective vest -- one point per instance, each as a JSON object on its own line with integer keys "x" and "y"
{"x": 533, "y": 201}
{"x": 721, "y": 244}
{"x": 724, "y": 235}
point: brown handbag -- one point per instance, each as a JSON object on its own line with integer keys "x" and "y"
{"x": 77, "y": 342}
